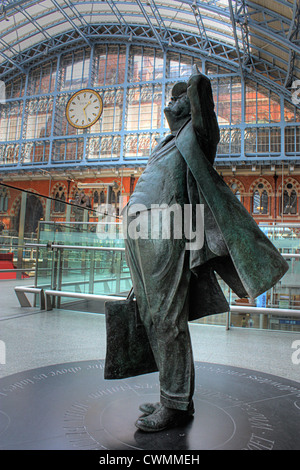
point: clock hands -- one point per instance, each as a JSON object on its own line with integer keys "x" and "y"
{"x": 84, "y": 108}
{"x": 86, "y": 105}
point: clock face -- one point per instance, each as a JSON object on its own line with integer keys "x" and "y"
{"x": 84, "y": 108}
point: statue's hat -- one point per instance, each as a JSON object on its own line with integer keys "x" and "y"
{"x": 179, "y": 88}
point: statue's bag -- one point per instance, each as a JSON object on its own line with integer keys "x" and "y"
{"x": 128, "y": 352}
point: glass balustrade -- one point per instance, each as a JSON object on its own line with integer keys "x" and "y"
{"x": 62, "y": 246}
{"x": 83, "y": 258}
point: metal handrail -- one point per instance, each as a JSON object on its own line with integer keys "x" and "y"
{"x": 290, "y": 255}
{"x": 38, "y": 245}
{"x": 14, "y": 270}
{"x": 232, "y": 308}
{"x": 95, "y": 248}
{"x": 76, "y": 247}
{"x": 111, "y": 248}
{"x": 280, "y": 225}
{"x": 265, "y": 310}
{"x": 79, "y": 283}
{"x": 71, "y": 224}
{"x": 241, "y": 309}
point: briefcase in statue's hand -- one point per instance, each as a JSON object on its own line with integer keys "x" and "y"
{"x": 128, "y": 352}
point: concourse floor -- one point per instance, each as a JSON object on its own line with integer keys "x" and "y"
{"x": 53, "y": 394}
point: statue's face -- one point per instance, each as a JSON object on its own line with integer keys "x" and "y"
{"x": 179, "y": 106}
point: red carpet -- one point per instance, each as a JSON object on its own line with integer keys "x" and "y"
{"x": 6, "y": 262}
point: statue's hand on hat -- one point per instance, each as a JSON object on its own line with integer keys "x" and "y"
{"x": 197, "y": 79}
{"x": 196, "y": 91}
{"x": 203, "y": 117}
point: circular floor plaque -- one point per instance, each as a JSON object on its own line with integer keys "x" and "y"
{"x": 71, "y": 406}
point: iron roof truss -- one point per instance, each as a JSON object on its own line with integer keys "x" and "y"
{"x": 265, "y": 44}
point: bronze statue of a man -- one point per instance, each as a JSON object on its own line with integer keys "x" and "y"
{"x": 173, "y": 284}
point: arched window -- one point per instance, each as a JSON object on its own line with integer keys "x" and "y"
{"x": 260, "y": 200}
{"x": 99, "y": 197}
{"x": 236, "y": 191}
{"x": 115, "y": 198}
{"x": 102, "y": 197}
{"x": 3, "y": 200}
{"x": 96, "y": 197}
{"x": 289, "y": 204}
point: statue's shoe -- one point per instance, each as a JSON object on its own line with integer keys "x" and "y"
{"x": 162, "y": 418}
{"x": 149, "y": 408}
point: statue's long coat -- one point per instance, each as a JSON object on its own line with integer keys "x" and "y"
{"x": 235, "y": 247}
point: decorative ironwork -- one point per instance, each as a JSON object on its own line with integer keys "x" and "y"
{"x": 132, "y": 57}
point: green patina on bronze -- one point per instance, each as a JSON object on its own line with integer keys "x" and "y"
{"x": 173, "y": 285}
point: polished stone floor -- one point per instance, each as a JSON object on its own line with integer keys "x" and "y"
{"x": 71, "y": 407}
{"x": 33, "y": 339}
{"x": 247, "y": 387}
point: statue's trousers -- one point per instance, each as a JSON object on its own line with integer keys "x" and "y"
{"x": 160, "y": 275}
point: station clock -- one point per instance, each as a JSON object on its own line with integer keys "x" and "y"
{"x": 84, "y": 108}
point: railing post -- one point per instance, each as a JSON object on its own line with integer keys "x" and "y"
{"x": 54, "y": 273}
{"x": 59, "y": 274}
{"x": 48, "y": 210}
{"x": 21, "y": 234}
{"x": 228, "y": 320}
{"x": 118, "y": 272}
{"x": 92, "y": 272}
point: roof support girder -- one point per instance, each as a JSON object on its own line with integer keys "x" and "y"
{"x": 263, "y": 26}
{"x": 78, "y": 30}
{"x": 233, "y": 15}
{"x": 33, "y": 21}
{"x": 13, "y": 62}
{"x": 202, "y": 30}
{"x": 119, "y": 16}
{"x": 164, "y": 32}
{"x": 293, "y": 35}
{"x": 241, "y": 17}
{"x": 146, "y": 16}
{"x": 156, "y": 33}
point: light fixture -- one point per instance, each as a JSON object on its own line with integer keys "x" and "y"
{"x": 233, "y": 168}
{"x": 253, "y": 167}
{"x": 292, "y": 167}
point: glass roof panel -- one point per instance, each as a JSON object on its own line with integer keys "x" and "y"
{"x": 27, "y": 22}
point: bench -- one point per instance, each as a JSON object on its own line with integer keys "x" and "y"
{"x": 49, "y": 294}
{"x": 21, "y": 294}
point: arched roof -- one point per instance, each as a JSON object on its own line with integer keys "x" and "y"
{"x": 260, "y": 39}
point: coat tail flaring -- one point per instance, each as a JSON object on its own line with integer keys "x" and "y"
{"x": 257, "y": 262}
